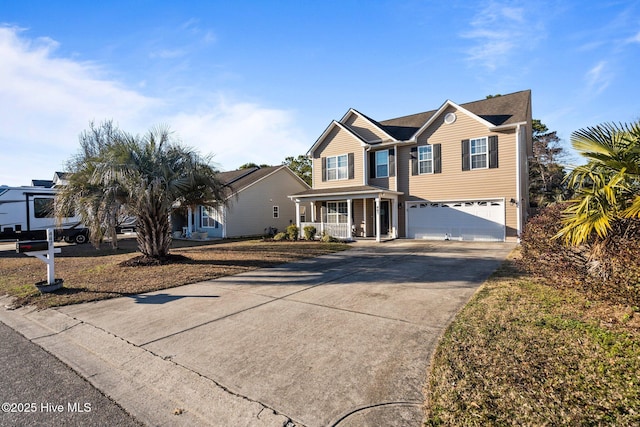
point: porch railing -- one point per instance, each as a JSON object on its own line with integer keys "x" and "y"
{"x": 339, "y": 231}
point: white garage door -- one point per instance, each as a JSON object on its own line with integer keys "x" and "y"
{"x": 481, "y": 220}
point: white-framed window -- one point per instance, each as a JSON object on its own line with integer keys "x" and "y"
{"x": 336, "y": 212}
{"x": 425, "y": 159}
{"x": 210, "y": 217}
{"x": 276, "y": 211}
{"x": 479, "y": 149}
{"x": 337, "y": 167}
{"x": 382, "y": 164}
{"x": 303, "y": 214}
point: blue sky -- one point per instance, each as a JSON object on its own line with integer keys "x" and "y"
{"x": 257, "y": 81}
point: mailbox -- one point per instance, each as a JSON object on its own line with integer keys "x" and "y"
{"x": 32, "y": 246}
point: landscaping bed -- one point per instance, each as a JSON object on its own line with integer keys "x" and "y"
{"x": 90, "y": 274}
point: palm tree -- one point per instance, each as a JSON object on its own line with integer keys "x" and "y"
{"x": 156, "y": 174}
{"x": 607, "y": 187}
{"x": 96, "y": 205}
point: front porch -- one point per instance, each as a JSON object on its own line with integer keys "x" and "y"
{"x": 347, "y": 214}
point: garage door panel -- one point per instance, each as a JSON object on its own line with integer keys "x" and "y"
{"x": 469, "y": 220}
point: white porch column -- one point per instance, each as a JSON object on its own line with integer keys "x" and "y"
{"x": 298, "y": 214}
{"x": 189, "y": 221}
{"x": 223, "y": 214}
{"x": 349, "y": 220}
{"x": 394, "y": 217}
{"x": 364, "y": 211}
{"x": 313, "y": 211}
{"x": 378, "y": 219}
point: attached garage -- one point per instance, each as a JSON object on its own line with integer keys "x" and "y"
{"x": 480, "y": 220}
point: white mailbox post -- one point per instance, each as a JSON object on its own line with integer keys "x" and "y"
{"x": 44, "y": 251}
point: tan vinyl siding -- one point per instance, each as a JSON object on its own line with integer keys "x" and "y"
{"x": 389, "y": 182}
{"x": 454, "y": 184}
{"x": 336, "y": 143}
{"x": 364, "y": 128}
{"x": 252, "y": 210}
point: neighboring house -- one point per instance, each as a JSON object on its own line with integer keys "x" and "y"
{"x": 60, "y": 179}
{"x": 459, "y": 172}
{"x": 257, "y": 200}
{"x": 44, "y": 183}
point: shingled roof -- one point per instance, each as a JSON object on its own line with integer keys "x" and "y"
{"x": 240, "y": 179}
{"x": 500, "y": 110}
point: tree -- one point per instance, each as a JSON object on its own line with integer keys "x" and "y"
{"x": 253, "y": 165}
{"x": 98, "y": 206}
{"x": 607, "y": 187}
{"x": 301, "y": 166}
{"x": 151, "y": 175}
{"x": 546, "y": 174}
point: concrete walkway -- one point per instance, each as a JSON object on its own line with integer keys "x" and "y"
{"x": 340, "y": 340}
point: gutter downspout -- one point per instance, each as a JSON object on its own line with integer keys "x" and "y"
{"x": 365, "y": 169}
{"x": 518, "y": 181}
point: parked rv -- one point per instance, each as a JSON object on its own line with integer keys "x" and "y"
{"x": 27, "y": 212}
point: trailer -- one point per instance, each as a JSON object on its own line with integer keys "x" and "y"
{"x": 27, "y": 212}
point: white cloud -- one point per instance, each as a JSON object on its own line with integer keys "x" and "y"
{"x": 238, "y": 133}
{"x": 497, "y": 31}
{"x": 598, "y": 78}
{"x": 634, "y": 39}
{"x": 193, "y": 26}
{"x": 168, "y": 53}
{"x": 46, "y": 101}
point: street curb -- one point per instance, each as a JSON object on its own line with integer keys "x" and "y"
{"x": 155, "y": 391}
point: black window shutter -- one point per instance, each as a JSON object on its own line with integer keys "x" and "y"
{"x": 350, "y": 158}
{"x": 493, "y": 152}
{"x": 466, "y": 157}
{"x": 324, "y": 168}
{"x": 414, "y": 160}
{"x": 437, "y": 158}
{"x": 392, "y": 162}
{"x": 372, "y": 164}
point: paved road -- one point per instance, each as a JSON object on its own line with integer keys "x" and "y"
{"x": 340, "y": 340}
{"x": 40, "y": 390}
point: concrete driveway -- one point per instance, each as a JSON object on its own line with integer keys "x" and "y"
{"x": 339, "y": 340}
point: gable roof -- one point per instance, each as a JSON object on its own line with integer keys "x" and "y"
{"x": 329, "y": 128}
{"x": 501, "y": 110}
{"x": 367, "y": 118}
{"x": 241, "y": 179}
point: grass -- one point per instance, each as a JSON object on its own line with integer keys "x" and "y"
{"x": 90, "y": 274}
{"x": 524, "y": 353}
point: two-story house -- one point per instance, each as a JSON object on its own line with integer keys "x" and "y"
{"x": 459, "y": 172}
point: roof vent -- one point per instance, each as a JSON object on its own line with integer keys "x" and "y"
{"x": 450, "y": 118}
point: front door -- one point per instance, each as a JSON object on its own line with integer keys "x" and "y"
{"x": 384, "y": 217}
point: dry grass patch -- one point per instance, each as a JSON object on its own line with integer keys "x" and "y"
{"x": 91, "y": 274}
{"x": 523, "y": 353}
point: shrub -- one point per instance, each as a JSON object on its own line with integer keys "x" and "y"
{"x": 309, "y": 232}
{"x": 606, "y": 268}
{"x": 327, "y": 238}
{"x": 545, "y": 256}
{"x": 292, "y": 232}
{"x": 615, "y": 262}
{"x": 280, "y": 236}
